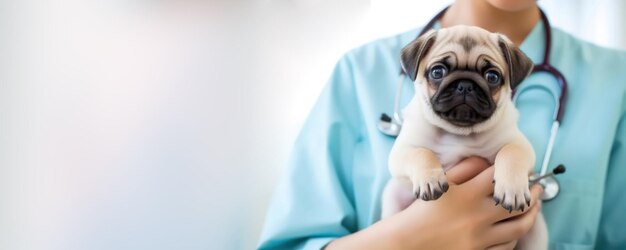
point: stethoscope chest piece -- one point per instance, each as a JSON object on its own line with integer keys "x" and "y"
{"x": 550, "y": 188}
{"x": 549, "y": 183}
{"x": 389, "y": 126}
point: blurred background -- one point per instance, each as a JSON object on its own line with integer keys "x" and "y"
{"x": 153, "y": 124}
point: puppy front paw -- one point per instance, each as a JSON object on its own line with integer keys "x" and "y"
{"x": 511, "y": 191}
{"x": 429, "y": 184}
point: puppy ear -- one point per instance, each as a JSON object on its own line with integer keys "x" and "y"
{"x": 415, "y": 51}
{"x": 520, "y": 66}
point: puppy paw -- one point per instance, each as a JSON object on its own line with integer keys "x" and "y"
{"x": 511, "y": 191}
{"x": 429, "y": 184}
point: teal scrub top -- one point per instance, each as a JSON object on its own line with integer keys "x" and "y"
{"x": 338, "y": 167}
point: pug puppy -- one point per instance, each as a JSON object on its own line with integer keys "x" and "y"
{"x": 462, "y": 107}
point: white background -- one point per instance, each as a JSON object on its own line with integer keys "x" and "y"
{"x": 166, "y": 124}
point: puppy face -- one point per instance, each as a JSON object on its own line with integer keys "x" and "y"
{"x": 465, "y": 73}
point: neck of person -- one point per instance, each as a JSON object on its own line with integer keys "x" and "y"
{"x": 516, "y": 24}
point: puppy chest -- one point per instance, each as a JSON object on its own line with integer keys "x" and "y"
{"x": 451, "y": 151}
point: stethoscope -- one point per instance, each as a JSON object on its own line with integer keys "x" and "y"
{"x": 391, "y": 126}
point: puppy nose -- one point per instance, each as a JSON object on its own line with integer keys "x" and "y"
{"x": 465, "y": 87}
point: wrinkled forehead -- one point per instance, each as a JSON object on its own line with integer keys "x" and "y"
{"x": 467, "y": 47}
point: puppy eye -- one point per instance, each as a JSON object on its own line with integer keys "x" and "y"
{"x": 492, "y": 76}
{"x": 438, "y": 71}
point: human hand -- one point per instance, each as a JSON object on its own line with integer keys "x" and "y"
{"x": 463, "y": 218}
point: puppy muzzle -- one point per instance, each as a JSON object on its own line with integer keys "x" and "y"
{"x": 463, "y": 99}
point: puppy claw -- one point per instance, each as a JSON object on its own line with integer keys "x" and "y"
{"x": 507, "y": 207}
{"x": 425, "y": 196}
{"x": 437, "y": 194}
{"x": 444, "y": 187}
{"x": 430, "y": 185}
{"x": 510, "y": 192}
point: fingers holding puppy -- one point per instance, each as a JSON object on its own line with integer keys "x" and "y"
{"x": 515, "y": 227}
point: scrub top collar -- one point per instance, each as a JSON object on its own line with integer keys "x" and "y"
{"x": 533, "y": 46}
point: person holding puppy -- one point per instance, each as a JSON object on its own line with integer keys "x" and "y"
{"x": 331, "y": 194}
